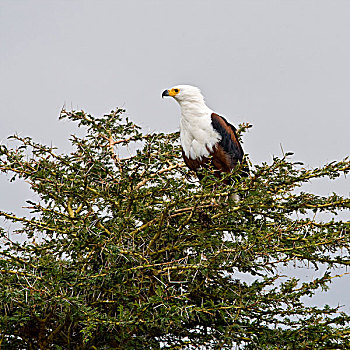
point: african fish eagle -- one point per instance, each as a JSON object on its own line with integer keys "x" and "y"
{"x": 205, "y": 136}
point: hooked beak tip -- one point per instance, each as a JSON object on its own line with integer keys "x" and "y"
{"x": 165, "y": 93}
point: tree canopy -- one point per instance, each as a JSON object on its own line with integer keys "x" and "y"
{"x": 125, "y": 249}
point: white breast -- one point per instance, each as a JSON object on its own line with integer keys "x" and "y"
{"x": 197, "y": 134}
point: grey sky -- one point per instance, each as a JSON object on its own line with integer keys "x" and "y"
{"x": 283, "y": 66}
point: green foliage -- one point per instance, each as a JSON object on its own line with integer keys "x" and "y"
{"x": 126, "y": 250}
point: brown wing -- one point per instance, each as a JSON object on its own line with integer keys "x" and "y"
{"x": 229, "y": 145}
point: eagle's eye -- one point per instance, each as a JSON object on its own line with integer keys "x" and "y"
{"x": 173, "y": 92}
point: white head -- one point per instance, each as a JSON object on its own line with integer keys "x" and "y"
{"x": 185, "y": 93}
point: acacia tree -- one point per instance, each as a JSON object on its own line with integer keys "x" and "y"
{"x": 131, "y": 252}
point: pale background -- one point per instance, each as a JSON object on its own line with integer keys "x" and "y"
{"x": 283, "y": 66}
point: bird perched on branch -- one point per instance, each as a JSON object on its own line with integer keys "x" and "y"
{"x": 206, "y": 137}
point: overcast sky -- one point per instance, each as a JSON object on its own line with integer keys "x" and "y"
{"x": 283, "y": 66}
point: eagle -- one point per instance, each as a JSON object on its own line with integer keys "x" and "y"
{"x": 207, "y": 139}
